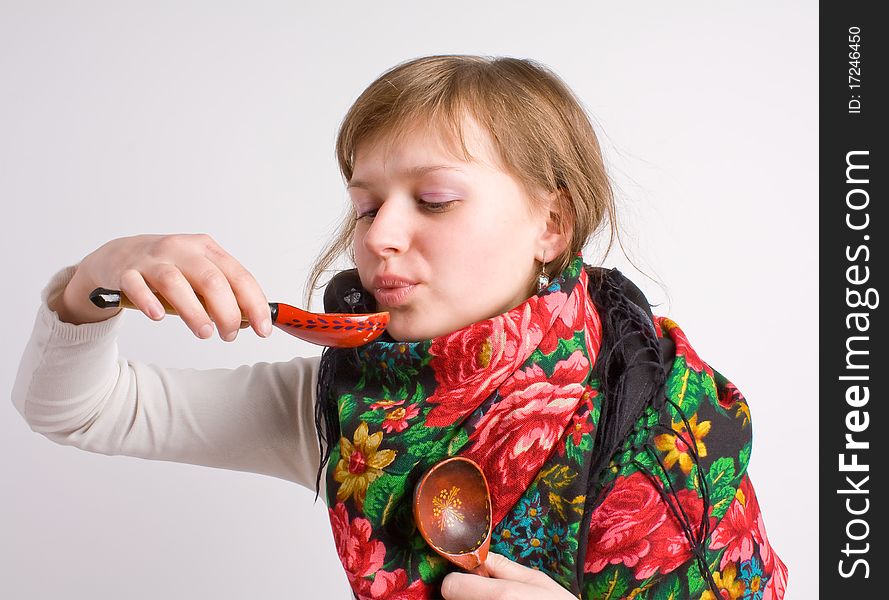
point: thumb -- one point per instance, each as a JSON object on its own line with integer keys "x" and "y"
{"x": 501, "y": 567}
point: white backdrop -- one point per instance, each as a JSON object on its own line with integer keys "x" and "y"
{"x": 121, "y": 117}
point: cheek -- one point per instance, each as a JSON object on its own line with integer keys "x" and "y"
{"x": 363, "y": 259}
{"x": 477, "y": 258}
{"x": 504, "y": 245}
{"x": 490, "y": 234}
{"x": 358, "y": 248}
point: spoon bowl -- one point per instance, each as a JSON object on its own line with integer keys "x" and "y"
{"x": 452, "y": 508}
{"x": 340, "y": 330}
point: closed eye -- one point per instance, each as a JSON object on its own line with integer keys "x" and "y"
{"x": 433, "y": 207}
{"x": 437, "y": 207}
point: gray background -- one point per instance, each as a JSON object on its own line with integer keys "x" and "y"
{"x": 125, "y": 117}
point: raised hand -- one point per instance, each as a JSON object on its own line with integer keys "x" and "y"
{"x": 179, "y": 267}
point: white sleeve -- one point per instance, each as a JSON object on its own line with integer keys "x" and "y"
{"x": 73, "y": 388}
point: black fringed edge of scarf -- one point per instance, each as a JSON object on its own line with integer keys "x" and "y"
{"x": 327, "y": 423}
{"x": 632, "y": 370}
{"x": 344, "y": 294}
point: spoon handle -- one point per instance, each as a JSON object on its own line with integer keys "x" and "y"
{"x": 481, "y": 570}
{"x": 105, "y": 298}
{"x": 341, "y": 330}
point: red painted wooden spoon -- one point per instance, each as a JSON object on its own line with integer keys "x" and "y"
{"x": 452, "y": 509}
{"x": 339, "y": 330}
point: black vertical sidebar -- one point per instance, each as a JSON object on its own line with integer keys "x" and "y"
{"x": 853, "y": 364}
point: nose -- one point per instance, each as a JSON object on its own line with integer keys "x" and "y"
{"x": 389, "y": 231}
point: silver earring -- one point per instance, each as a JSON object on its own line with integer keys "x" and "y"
{"x": 543, "y": 278}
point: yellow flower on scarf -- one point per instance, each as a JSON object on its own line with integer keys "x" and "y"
{"x": 725, "y": 582}
{"x": 360, "y": 463}
{"x": 675, "y": 444}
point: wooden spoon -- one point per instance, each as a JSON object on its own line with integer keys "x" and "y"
{"x": 452, "y": 508}
{"x": 339, "y": 330}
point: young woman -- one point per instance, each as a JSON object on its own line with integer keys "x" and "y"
{"x": 616, "y": 457}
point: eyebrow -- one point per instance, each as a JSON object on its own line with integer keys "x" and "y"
{"x": 412, "y": 172}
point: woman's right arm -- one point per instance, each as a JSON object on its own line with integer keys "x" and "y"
{"x": 73, "y": 388}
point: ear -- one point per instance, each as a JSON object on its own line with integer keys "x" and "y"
{"x": 559, "y": 226}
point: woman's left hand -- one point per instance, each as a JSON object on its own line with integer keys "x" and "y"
{"x": 508, "y": 580}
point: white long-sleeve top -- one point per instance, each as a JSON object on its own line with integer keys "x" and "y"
{"x": 73, "y": 387}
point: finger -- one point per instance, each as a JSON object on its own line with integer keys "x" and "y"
{"x": 247, "y": 291}
{"x": 133, "y": 285}
{"x": 209, "y": 282}
{"x": 170, "y": 283}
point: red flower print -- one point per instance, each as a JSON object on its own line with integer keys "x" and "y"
{"x": 567, "y": 317}
{"x": 620, "y": 528}
{"x": 578, "y": 426}
{"x": 683, "y": 348}
{"x": 519, "y": 433}
{"x": 397, "y": 418}
{"x": 570, "y": 314}
{"x": 360, "y": 555}
{"x": 593, "y": 326}
{"x": 739, "y": 528}
{"x": 770, "y": 561}
{"x": 392, "y": 586}
{"x": 581, "y": 423}
{"x": 670, "y": 547}
{"x": 778, "y": 582}
{"x": 729, "y": 395}
{"x": 471, "y": 363}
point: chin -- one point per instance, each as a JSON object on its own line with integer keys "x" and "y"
{"x": 406, "y": 334}
{"x": 401, "y": 329}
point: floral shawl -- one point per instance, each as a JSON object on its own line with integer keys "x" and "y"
{"x": 616, "y": 458}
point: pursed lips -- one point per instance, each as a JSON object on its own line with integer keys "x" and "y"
{"x": 384, "y": 282}
{"x": 392, "y": 290}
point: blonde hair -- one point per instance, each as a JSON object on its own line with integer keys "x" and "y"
{"x": 542, "y": 134}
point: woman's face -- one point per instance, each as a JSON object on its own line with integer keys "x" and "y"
{"x": 442, "y": 242}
